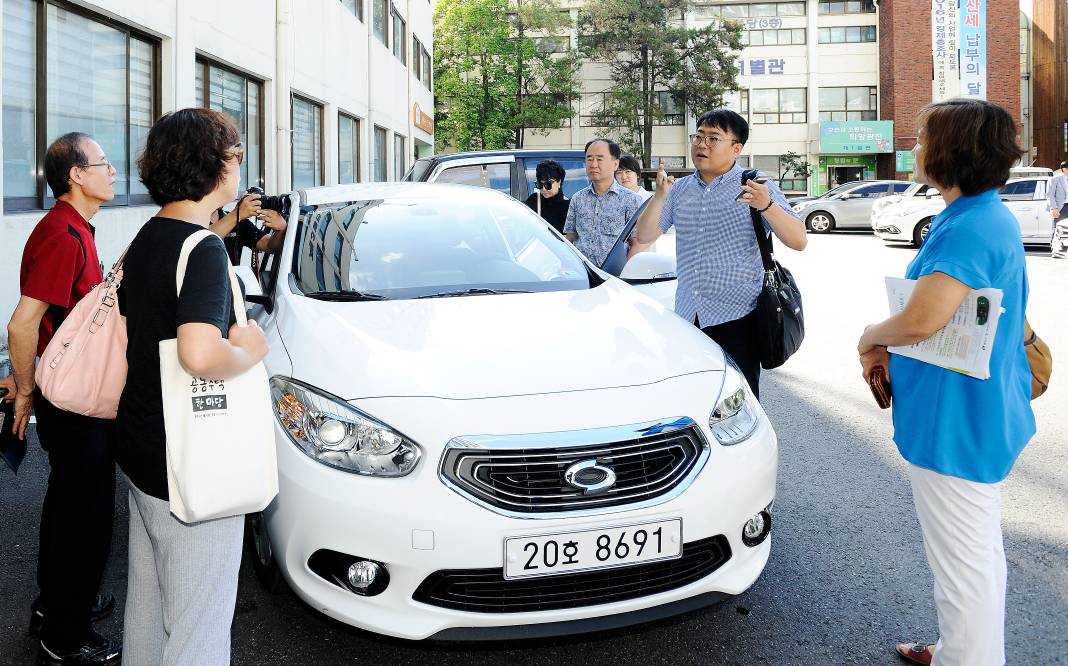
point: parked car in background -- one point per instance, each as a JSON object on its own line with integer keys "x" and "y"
{"x": 910, "y": 219}
{"x": 481, "y": 435}
{"x": 1030, "y": 172}
{"x": 913, "y": 190}
{"x": 847, "y": 206}
{"x": 508, "y": 171}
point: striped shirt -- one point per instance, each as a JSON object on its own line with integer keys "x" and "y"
{"x": 719, "y": 266}
{"x": 599, "y": 220}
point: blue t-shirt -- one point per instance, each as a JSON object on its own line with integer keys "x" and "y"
{"x": 948, "y": 422}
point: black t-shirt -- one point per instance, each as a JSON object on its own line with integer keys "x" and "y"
{"x": 154, "y": 311}
{"x": 244, "y": 234}
{"x": 553, "y": 210}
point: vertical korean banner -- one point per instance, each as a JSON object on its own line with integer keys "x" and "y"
{"x": 973, "y": 48}
{"x": 944, "y": 45}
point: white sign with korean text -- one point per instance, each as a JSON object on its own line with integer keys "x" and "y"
{"x": 945, "y": 49}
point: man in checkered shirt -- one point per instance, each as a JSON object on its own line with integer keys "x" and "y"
{"x": 719, "y": 266}
{"x": 598, "y": 213}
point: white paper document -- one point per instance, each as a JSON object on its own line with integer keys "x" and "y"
{"x": 964, "y": 345}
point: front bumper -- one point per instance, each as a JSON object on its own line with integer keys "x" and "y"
{"x": 417, "y": 525}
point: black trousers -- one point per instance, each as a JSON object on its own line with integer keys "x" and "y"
{"x": 738, "y": 338}
{"x": 76, "y": 520}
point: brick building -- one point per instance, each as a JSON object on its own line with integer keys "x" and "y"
{"x": 1049, "y": 44}
{"x": 906, "y": 69}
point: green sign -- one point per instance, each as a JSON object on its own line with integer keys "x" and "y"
{"x": 857, "y": 136}
{"x": 906, "y": 161}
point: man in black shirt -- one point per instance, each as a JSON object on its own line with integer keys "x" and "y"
{"x": 241, "y": 232}
{"x": 553, "y": 204}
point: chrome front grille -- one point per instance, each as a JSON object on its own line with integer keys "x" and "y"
{"x": 526, "y": 474}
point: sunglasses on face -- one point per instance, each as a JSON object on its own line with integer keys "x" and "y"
{"x": 546, "y": 184}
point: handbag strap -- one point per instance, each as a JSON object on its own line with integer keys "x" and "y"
{"x": 763, "y": 240}
{"x": 190, "y": 243}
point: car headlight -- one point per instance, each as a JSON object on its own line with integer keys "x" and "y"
{"x": 798, "y": 207}
{"x": 734, "y": 419}
{"x": 333, "y": 432}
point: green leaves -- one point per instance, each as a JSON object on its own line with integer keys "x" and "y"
{"x": 659, "y": 67}
{"x": 492, "y": 82}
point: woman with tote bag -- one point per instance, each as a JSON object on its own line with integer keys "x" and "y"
{"x": 182, "y": 583}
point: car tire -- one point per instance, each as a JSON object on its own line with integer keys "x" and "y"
{"x": 919, "y": 232}
{"x": 820, "y": 222}
{"x": 258, "y": 546}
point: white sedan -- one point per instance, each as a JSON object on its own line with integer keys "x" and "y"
{"x": 910, "y": 218}
{"x": 481, "y": 435}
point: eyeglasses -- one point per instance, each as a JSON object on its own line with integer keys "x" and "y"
{"x": 709, "y": 140}
{"x": 237, "y": 151}
{"x": 105, "y": 163}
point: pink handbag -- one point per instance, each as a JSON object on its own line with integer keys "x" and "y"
{"x": 83, "y": 369}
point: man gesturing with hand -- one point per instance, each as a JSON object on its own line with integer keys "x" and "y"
{"x": 719, "y": 266}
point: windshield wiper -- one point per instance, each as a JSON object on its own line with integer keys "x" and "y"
{"x": 346, "y": 296}
{"x": 476, "y": 291}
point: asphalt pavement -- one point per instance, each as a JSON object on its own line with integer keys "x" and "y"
{"x": 847, "y": 575}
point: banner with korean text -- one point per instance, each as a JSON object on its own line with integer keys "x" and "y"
{"x": 945, "y": 49}
{"x": 973, "y": 48}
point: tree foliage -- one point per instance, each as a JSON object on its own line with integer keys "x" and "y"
{"x": 492, "y": 81}
{"x": 649, "y": 50}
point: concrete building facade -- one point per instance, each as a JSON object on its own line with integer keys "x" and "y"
{"x": 324, "y": 91}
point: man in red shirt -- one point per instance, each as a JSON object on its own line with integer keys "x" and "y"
{"x": 59, "y": 266}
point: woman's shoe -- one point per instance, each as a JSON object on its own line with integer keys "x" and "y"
{"x": 96, "y": 651}
{"x": 916, "y": 653}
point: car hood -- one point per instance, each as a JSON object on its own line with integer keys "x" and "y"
{"x": 491, "y": 345}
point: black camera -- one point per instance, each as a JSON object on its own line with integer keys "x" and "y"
{"x": 277, "y": 203}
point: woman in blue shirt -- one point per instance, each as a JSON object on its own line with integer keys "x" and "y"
{"x": 961, "y": 435}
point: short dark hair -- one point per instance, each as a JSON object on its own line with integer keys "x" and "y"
{"x": 549, "y": 170}
{"x": 629, "y": 163}
{"x": 65, "y": 153}
{"x": 968, "y": 143}
{"x": 1064, "y": 165}
{"x": 728, "y": 121}
{"x": 185, "y": 154}
{"x": 613, "y": 147}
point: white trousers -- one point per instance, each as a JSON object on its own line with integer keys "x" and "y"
{"x": 961, "y": 524}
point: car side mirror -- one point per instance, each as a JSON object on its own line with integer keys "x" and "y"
{"x": 649, "y": 266}
{"x": 251, "y": 286}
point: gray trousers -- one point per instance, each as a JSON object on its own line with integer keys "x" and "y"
{"x": 182, "y": 586}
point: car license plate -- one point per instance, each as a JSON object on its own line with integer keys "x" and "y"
{"x": 569, "y": 552}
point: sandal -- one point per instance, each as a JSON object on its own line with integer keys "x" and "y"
{"x": 916, "y": 653}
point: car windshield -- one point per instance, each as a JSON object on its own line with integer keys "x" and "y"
{"x": 840, "y": 188}
{"x": 411, "y": 247}
{"x": 418, "y": 170}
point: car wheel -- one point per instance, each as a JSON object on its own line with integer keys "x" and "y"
{"x": 820, "y": 222}
{"x": 258, "y": 545}
{"x": 919, "y": 234}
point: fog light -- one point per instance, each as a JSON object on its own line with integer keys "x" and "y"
{"x": 757, "y": 529}
{"x": 362, "y": 575}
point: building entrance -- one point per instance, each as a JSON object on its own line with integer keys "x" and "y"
{"x": 840, "y": 175}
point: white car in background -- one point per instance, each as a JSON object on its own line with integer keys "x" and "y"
{"x": 910, "y": 219}
{"x": 481, "y": 435}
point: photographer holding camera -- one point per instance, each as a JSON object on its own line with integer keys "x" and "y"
{"x": 719, "y": 263}
{"x": 238, "y": 231}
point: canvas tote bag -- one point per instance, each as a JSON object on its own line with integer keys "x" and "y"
{"x": 220, "y": 440}
{"x": 83, "y": 368}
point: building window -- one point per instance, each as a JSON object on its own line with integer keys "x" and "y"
{"x": 354, "y": 6}
{"x": 848, "y": 7}
{"x": 847, "y": 34}
{"x": 400, "y": 161}
{"x": 427, "y": 71}
{"x": 771, "y": 106}
{"x": 102, "y": 79}
{"x": 380, "y": 155}
{"x": 239, "y": 97}
{"x": 545, "y": 100}
{"x": 380, "y": 20}
{"x": 785, "y": 37}
{"x": 736, "y": 11}
{"x": 737, "y": 101}
{"x": 417, "y": 58}
{"x": 772, "y": 165}
{"x": 672, "y": 162}
{"x": 400, "y": 37}
{"x": 348, "y": 149}
{"x": 851, "y": 103}
{"x": 307, "y": 143}
{"x": 671, "y": 108}
{"x": 553, "y": 44}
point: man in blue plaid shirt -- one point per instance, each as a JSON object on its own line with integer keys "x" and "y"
{"x": 719, "y": 266}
